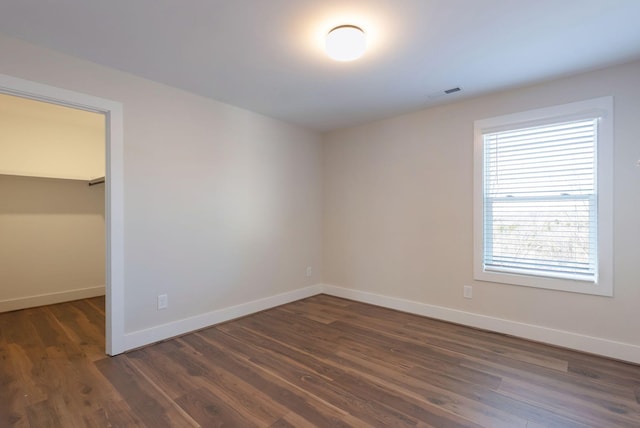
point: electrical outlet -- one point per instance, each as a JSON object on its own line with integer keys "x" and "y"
{"x": 309, "y": 271}
{"x": 163, "y": 301}
{"x": 468, "y": 292}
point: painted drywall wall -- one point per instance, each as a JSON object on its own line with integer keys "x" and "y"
{"x": 39, "y": 139}
{"x": 222, "y": 205}
{"x": 398, "y": 210}
{"x": 52, "y": 241}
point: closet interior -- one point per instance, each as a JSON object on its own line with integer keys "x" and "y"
{"x": 52, "y": 203}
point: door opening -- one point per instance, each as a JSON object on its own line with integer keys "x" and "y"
{"x": 114, "y": 194}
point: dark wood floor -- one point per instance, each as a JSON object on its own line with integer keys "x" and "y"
{"x": 322, "y": 362}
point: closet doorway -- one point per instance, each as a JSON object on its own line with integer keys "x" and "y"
{"x": 52, "y": 209}
{"x": 61, "y": 204}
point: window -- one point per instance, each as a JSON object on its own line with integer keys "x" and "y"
{"x": 543, "y": 198}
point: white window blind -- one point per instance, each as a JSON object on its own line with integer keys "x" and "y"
{"x": 540, "y": 200}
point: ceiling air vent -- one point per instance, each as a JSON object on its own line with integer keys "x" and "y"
{"x": 445, "y": 92}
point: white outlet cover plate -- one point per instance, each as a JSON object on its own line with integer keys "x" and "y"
{"x": 162, "y": 301}
{"x": 468, "y": 292}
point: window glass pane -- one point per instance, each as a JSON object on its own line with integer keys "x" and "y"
{"x": 542, "y": 235}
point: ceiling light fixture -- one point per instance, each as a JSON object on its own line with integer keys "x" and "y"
{"x": 346, "y": 43}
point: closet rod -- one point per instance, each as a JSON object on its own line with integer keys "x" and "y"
{"x": 96, "y": 181}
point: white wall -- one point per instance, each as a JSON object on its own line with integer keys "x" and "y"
{"x": 39, "y": 139}
{"x": 222, "y": 206}
{"x": 398, "y": 211}
{"x": 51, "y": 241}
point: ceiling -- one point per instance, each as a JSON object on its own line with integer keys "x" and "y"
{"x": 39, "y": 139}
{"x": 267, "y": 55}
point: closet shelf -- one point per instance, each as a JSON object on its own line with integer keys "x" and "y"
{"x": 95, "y": 181}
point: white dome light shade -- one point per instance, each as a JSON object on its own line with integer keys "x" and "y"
{"x": 346, "y": 43}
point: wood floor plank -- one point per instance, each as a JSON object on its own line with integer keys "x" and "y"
{"x": 178, "y": 372}
{"x": 387, "y": 369}
{"x": 79, "y": 323}
{"x": 43, "y": 324}
{"x": 281, "y": 423}
{"x": 486, "y": 346}
{"x": 615, "y": 376}
{"x": 309, "y": 374}
{"x": 28, "y": 373}
{"x": 12, "y": 411}
{"x": 90, "y": 312}
{"x": 592, "y": 411}
{"x": 143, "y": 399}
{"x": 440, "y": 393}
{"x": 499, "y": 359}
{"x": 157, "y": 363}
{"x": 612, "y": 402}
{"x": 115, "y": 414}
{"x": 495, "y": 399}
{"x": 43, "y": 414}
{"x": 98, "y": 304}
{"x": 428, "y": 411}
{"x": 210, "y": 410}
{"x": 279, "y": 391}
{"x": 421, "y": 378}
{"x": 71, "y": 394}
{"x": 582, "y": 364}
{"x": 292, "y": 420}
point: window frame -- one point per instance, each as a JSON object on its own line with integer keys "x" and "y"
{"x": 600, "y": 108}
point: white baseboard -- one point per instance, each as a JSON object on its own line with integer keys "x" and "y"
{"x": 565, "y": 339}
{"x": 140, "y": 338}
{"x": 50, "y": 298}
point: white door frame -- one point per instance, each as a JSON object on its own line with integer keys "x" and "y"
{"x": 114, "y": 191}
